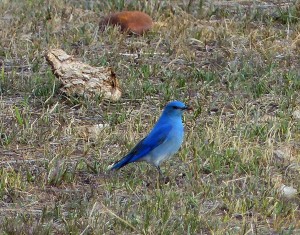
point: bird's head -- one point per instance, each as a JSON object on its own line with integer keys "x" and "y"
{"x": 176, "y": 108}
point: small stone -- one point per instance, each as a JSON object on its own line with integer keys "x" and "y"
{"x": 279, "y": 154}
{"x": 296, "y": 114}
{"x": 287, "y": 191}
{"x": 92, "y": 131}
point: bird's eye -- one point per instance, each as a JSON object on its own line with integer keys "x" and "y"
{"x": 175, "y": 107}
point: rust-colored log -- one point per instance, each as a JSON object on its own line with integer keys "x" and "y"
{"x": 131, "y": 21}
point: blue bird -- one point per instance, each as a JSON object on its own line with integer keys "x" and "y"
{"x": 162, "y": 142}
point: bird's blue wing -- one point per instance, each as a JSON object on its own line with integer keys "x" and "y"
{"x": 156, "y": 137}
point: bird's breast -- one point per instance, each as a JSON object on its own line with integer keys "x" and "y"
{"x": 168, "y": 148}
{"x": 176, "y": 138}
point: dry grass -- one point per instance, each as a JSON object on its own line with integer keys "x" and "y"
{"x": 236, "y": 62}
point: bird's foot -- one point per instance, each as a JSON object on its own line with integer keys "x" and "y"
{"x": 166, "y": 180}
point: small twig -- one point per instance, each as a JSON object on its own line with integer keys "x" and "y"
{"x": 119, "y": 218}
{"x": 52, "y": 93}
{"x": 22, "y": 161}
{"x": 86, "y": 228}
{"x": 230, "y": 181}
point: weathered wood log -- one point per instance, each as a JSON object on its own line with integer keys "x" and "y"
{"x": 79, "y": 78}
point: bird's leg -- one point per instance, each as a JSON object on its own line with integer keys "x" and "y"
{"x": 159, "y": 176}
{"x": 162, "y": 176}
{"x": 160, "y": 172}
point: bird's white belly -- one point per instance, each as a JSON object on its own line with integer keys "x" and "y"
{"x": 164, "y": 151}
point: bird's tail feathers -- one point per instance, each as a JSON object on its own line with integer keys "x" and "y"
{"x": 124, "y": 161}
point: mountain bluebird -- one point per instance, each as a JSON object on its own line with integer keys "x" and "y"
{"x": 162, "y": 142}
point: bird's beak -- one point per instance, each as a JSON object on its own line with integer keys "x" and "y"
{"x": 188, "y": 108}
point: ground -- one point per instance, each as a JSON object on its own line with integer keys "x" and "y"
{"x": 236, "y": 62}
